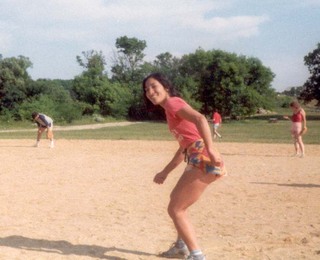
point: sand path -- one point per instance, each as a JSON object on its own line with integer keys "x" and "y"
{"x": 76, "y": 127}
{"x": 94, "y": 199}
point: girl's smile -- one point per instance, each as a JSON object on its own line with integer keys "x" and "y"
{"x": 155, "y": 92}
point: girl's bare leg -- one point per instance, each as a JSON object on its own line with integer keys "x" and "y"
{"x": 296, "y": 146}
{"x": 300, "y": 144}
{"x": 40, "y": 131}
{"x": 188, "y": 190}
{"x": 39, "y": 134}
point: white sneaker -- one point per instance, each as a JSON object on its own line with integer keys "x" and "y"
{"x": 51, "y": 144}
{"x": 175, "y": 252}
{"x": 36, "y": 144}
{"x": 196, "y": 257}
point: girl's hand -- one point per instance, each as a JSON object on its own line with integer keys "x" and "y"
{"x": 215, "y": 158}
{"x": 160, "y": 177}
{"x": 304, "y": 130}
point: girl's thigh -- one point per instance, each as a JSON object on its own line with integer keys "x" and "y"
{"x": 190, "y": 187}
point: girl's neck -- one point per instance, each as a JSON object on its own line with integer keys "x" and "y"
{"x": 163, "y": 103}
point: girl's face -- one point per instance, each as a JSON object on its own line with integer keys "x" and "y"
{"x": 295, "y": 109}
{"x": 156, "y": 92}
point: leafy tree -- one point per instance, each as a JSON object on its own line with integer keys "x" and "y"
{"x": 312, "y": 85}
{"x": 89, "y": 86}
{"x": 235, "y": 85}
{"x": 128, "y": 60}
{"x": 293, "y": 92}
{"x": 14, "y": 80}
{"x": 257, "y": 77}
{"x": 118, "y": 100}
{"x": 167, "y": 64}
{"x": 56, "y": 89}
{"x": 93, "y": 62}
{"x": 94, "y": 88}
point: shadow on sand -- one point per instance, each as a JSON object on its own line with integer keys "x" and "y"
{"x": 296, "y": 185}
{"x": 65, "y": 248}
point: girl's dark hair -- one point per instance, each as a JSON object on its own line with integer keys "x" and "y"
{"x": 153, "y": 111}
{"x": 164, "y": 81}
{"x": 34, "y": 115}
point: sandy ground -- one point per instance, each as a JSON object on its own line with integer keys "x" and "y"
{"x": 76, "y": 127}
{"x": 96, "y": 200}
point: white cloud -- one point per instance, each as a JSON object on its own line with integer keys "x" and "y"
{"x": 287, "y": 76}
{"x": 86, "y": 19}
{"x": 6, "y": 37}
{"x": 5, "y": 41}
{"x": 310, "y": 2}
{"x": 52, "y": 32}
{"x": 238, "y": 26}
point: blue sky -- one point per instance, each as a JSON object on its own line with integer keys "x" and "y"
{"x": 53, "y": 32}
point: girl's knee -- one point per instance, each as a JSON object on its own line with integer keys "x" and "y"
{"x": 174, "y": 211}
{"x": 171, "y": 210}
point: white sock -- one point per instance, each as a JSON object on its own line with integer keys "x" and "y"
{"x": 196, "y": 252}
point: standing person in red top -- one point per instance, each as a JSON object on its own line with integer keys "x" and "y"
{"x": 298, "y": 127}
{"x": 205, "y": 164}
{"x": 216, "y": 120}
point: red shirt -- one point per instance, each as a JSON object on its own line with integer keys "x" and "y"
{"x": 216, "y": 118}
{"x": 183, "y": 130}
{"x": 297, "y": 117}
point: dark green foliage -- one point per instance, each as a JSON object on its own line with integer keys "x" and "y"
{"x": 293, "y": 92}
{"x": 14, "y": 80}
{"x": 118, "y": 99}
{"x": 284, "y": 99}
{"x": 235, "y": 85}
{"x": 59, "y": 111}
{"x": 311, "y": 88}
{"x": 126, "y": 68}
{"x": 90, "y": 86}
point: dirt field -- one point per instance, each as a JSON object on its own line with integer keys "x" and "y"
{"x": 96, "y": 200}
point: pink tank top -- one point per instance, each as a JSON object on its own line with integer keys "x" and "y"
{"x": 297, "y": 117}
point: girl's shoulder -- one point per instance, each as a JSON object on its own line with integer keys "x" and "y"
{"x": 172, "y": 101}
{"x": 175, "y": 104}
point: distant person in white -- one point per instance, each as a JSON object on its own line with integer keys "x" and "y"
{"x": 44, "y": 123}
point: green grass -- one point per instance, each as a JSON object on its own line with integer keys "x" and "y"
{"x": 250, "y": 130}
{"x": 261, "y": 131}
{"x": 141, "y": 131}
{"x": 85, "y": 120}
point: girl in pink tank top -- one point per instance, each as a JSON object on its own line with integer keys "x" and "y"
{"x": 297, "y": 117}
{"x": 298, "y": 127}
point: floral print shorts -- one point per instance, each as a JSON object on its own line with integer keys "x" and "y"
{"x": 197, "y": 156}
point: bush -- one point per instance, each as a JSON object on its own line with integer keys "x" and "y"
{"x": 283, "y": 101}
{"x": 59, "y": 112}
{"x": 7, "y": 116}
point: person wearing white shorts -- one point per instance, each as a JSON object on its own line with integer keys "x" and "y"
{"x": 44, "y": 123}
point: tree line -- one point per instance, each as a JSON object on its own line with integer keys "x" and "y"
{"x": 234, "y": 84}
